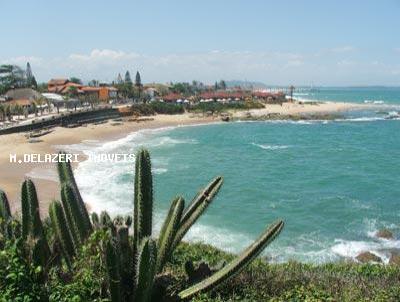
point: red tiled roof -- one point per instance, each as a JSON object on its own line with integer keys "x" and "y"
{"x": 58, "y": 82}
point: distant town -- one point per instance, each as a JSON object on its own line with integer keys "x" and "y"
{"x": 23, "y": 100}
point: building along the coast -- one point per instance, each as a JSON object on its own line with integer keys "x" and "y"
{"x": 65, "y": 86}
{"x": 23, "y": 97}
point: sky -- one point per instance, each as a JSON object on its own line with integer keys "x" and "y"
{"x": 308, "y": 42}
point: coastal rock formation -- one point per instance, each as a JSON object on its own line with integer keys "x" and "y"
{"x": 385, "y": 234}
{"x": 366, "y": 257}
{"x": 395, "y": 258}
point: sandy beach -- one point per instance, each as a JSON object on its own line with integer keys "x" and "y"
{"x": 12, "y": 174}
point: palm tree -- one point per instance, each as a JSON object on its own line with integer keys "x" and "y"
{"x": 34, "y": 108}
{"x": 40, "y": 103}
{"x": 291, "y": 89}
{"x": 2, "y": 112}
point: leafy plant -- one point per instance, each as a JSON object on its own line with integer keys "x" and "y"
{"x": 151, "y": 256}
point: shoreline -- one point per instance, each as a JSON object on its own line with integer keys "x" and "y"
{"x": 14, "y": 173}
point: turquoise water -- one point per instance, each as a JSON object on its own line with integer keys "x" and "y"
{"x": 377, "y": 95}
{"x": 334, "y": 183}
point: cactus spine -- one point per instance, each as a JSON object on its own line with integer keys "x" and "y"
{"x": 61, "y": 230}
{"x": 143, "y": 199}
{"x": 197, "y": 207}
{"x": 236, "y": 265}
{"x": 168, "y": 232}
{"x": 146, "y": 269}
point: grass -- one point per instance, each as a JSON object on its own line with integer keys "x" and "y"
{"x": 293, "y": 281}
{"x": 261, "y": 281}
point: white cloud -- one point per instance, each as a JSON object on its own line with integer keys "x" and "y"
{"x": 343, "y": 49}
{"x": 270, "y": 67}
{"x": 105, "y": 54}
{"x": 346, "y": 63}
{"x": 22, "y": 60}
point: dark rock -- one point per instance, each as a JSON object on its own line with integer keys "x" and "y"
{"x": 385, "y": 234}
{"x": 395, "y": 259}
{"x": 366, "y": 257}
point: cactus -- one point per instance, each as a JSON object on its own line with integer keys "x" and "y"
{"x": 26, "y": 215}
{"x": 143, "y": 199}
{"x": 126, "y": 262}
{"x": 66, "y": 176}
{"x": 95, "y": 220}
{"x": 40, "y": 252}
{"x": 35, "y": 221}
{"x": 105, "y": 219}
{"x": 5, "y": 212}
{"x": 197, "y": 207}
{"x": 146, "y": 269}
{"x": 128, "y": 221}
{"x": 31, "y": 222}
{"x": 113, "y": 271}
{"x": 61, "y": 230}
{"x": 236, "y": 265}
{"x": 168, "y": 232}
{"x": 72, "y": 215}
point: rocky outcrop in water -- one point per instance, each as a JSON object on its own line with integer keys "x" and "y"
{"x": 385, "y": 234}
{"x": 366, "y": 257}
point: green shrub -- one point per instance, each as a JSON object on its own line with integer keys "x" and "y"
{"x": 158, "y": 107}
{"x": 19, "y": 279}
{"x": 219, "y": 107}
{"x": 167, "y": 108}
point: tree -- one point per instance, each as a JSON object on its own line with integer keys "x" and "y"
{"x": 30, "y": 78}
{"x": 76, "y": 80}
{"x": 119, "y": 79}
{"x": 222, "y": 85}
{"x": 138, "y": 80}
{"x": 11, "y": 76}
{"x": 40, "y": 103}
{"x": 291, "y": 89}
{"x": 93, "y": 83}
{"x": 72, "y": 91}
{"x": 2, "y": 112}
{"x": 128, "y": 79}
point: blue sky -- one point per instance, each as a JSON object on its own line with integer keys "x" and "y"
{"x": 302, "y": 43}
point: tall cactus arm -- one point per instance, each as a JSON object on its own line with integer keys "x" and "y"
{"x": 66, "y": 175}
{"x": 236, "y": 265}
{"x": 114, "y": 278}
{"x": 168, "y": 232}
{"x": 61, "y": 169}
{"x": 143, "y": 198}
{"x": 73, "y": 214}
{"x": 25, "y": 209}
{"x": 36, "y": 223}
{"x": 5, "y": 212}
{"x": 126, "y": 262}
{"x": 146, "y": 269}
{"x": 61, "y": 230}
{"x": 197, "y": 207}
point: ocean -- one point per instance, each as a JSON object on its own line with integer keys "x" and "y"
{"x": 334, "y": 183}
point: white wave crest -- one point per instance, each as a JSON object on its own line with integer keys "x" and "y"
{"x": 270, "y": 147}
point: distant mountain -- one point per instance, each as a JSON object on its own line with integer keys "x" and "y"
{"x": 246, "y": 84}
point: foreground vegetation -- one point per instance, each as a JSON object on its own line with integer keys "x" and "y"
{"x": 292, "y": 281}
{"x": 36, "y": 253}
